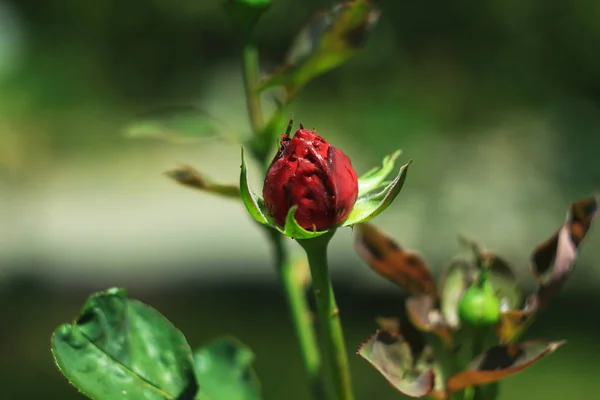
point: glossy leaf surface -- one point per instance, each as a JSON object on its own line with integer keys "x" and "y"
{"x": 120, "y": 348}
{"x": 224, "y": 371}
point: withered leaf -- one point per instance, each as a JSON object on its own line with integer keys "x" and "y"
{"x": 386, "y": 257}
{"x": 191, "y": 177}
{"x": 391, "y": 356}
{"x": 409, "y": 333}
{"x": 511, "y": 325}
{"x": 500, "y": 362}
{"x": 329, "y": 39}
{"x": 553, "y": 260}
{"x": 424, "y": 313}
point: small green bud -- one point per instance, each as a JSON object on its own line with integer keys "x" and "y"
{"x": 479, "y": 305}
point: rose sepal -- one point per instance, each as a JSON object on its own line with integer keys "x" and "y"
{"x": 370, "y": 203}
{"x": 294, "y": 230}
{"x": 254, "y": 204}
{"x": 375, "y": 178}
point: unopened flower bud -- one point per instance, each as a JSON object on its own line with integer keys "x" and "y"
{"x": 479, "y": 305}
{"x": 310, "y": 173}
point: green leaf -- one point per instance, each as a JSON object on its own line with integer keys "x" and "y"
{"x": 371, "y": 205}
{"x": 375, "y": 178}
{"x": 176, "y": 124}
{"x": 328, "y": 40}
{"x": 190, "y": 177}
{"x": 500, "y": 362}
{"x": 253, "y": 203}
{"x": 224, "y": 371}
{"x": 119, "y": 348}
{"x": 391, "y": 356}
{"x": 295, "y": 231}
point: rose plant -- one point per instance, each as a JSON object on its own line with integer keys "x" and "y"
{"x": 119, "y": 348}
{"x": 440, "y": 349}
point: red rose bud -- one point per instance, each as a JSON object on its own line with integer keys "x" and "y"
{"x": 310, "y": 173}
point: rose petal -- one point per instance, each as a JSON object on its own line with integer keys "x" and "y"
{"x": 387, "y": 258}
{"x": 500, "y": 362}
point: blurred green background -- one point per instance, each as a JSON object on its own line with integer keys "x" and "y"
{"x": 496, "y": 101}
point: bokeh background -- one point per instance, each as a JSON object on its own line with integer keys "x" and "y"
{"x": 497, "y": 101}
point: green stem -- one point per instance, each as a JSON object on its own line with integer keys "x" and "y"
{"x": 478, "y": 343}
{"x": 489, "y": 391}
{"x": 328, "y": 314}
{"x": 446, "y": 362}
{"x": 301, "y": 315}
{"x": 251, "y": 76}
{"x": 293, "y": 288}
